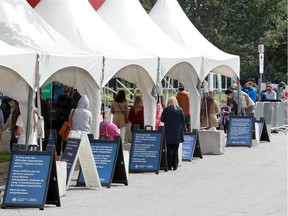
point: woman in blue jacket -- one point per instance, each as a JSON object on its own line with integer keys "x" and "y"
{"x": 173, "y": 118}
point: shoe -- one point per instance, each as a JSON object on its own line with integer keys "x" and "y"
{"x": 175, "y": 168}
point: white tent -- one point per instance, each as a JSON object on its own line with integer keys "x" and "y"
{"x": 169, "y": 16}
{"x": 85, "y": 28}
{"x": 17, "y": 74}
{"x": 130, "y": 21}
{"x": 21, "y": 26}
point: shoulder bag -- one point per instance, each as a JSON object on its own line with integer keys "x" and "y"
{"x": 66, "y": 128}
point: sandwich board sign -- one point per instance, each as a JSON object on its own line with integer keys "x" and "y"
{"x": 146, "y": 150}
{"x": 189, "y": 145}
{"x": 260, "y": 132}
{"x": 52, "y": 138}
{"x": 109, "y": 160}
{"x": 32, "y": 180}
{"x": 78, "y": 147}
{"x": 240, "y": 131}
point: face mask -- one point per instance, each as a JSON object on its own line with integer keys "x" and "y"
{"x": 223, "y": 104}
{"x": 229, "y": 96}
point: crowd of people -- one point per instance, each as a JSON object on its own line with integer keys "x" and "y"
{"x": 174, "y": 116}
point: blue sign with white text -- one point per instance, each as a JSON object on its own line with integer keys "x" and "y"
{"x": 145, "y": 151}
{"x": 105, "y": 155}
{"x": 70, "y": 153}
{"x": 260, "y": 127}
{"x": 51, "y": 140}
{"x": 188, "y": 146}
{"x": 240, "y": 131}
{"x": 28, "y": 179}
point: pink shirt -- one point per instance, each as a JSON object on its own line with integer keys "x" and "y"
{"x": 110, "y": 129}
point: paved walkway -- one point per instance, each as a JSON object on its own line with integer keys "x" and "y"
{"x": 242, "y": 181}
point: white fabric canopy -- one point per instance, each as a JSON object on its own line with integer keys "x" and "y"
{"x": 169, "y": 16}
{"x": 17, "y": 74}
{"x": 130, "y": 21}
{"x": 21, "y": 26}
{"x": 84, "y": 27}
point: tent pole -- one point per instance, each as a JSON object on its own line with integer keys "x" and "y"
{"x": 29, "y": 112}
{"x": 39, "y": 111}
{"x": 239, "y": 110}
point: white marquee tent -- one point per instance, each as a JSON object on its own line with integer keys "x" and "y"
{"x": 130, "y": 21}
{"x": 169, "y": 16}
{"x": 17, "y": 74}
{"x": 84, "y": 27}
{"x": 21, "y": 26}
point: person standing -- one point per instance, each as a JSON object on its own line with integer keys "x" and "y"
{"x": 280, "y": 90}
{"x": 63, "y": 107}
{"x": 11, "y": 121}
{"x": 173, "y": 119}
{"x": 82, "y": 117}
{"x": 46, "y": 113}
{"x": 250, "y": 91}
{"x": 184, "y": 102}
{"x": 20, "y": 132}
{"x": 136, "y": 113}
{"x": 108, "y": 130}
{"x": 209, "y": 110}
{"x": 270, "y": 93}
{"x": 120, "y": 111}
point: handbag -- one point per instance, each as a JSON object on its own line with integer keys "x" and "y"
{"x": 66, "y": 128}
{"x": 124, "y": 113}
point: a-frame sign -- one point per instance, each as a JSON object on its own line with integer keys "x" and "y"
{"x": 146, "y": 150}
{"x": 240, "y": 131}
{"x": 109, "y": 160}
{"x": 260, "y": 132}
{"x": 191, "y": 146}
{"x": 32, "y": 180}
{"x": 78, "y": 147}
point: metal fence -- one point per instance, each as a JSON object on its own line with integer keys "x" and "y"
{"x": 275, "y": 113}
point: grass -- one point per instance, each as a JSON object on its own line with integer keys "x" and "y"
{"x": 4, "y": 157}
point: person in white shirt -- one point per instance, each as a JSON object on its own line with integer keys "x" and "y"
{"x": 20, "y": 132}
{"x": 270, "y": 93}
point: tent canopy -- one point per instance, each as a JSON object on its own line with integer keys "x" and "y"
{"x": 131, "y": 22}
{"x": 169, "y": 16}
{"x": 84, "y": 27}
{"x": 17, "y": 74}
{"x": 21, "y": 26}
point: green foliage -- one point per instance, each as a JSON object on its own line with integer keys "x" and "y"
{"x": 147, "y": 4}
{"x": 4, "y": 157}
{"x": 239, "y": 26}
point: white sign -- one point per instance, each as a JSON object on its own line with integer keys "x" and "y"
{"x": 261, "y": 48}
{"x": 261, "y": 62}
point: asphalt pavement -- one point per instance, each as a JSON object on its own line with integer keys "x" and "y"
{"x": 242, "y": 181}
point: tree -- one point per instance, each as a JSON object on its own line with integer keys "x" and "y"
{"x": 238, "y": 27}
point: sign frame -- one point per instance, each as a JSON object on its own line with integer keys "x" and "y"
{"x": 86, "y": 160}
{"x": 50, "y": 193}
{"x": 191, "y": 146}
{"x": 116, "y": 142}
{"x": 263, "y": 133}
{"x": 158, "y": 148}
{"x": 246, "y": 141}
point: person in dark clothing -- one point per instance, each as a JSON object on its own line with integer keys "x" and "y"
{"x": 46, "y": 113}
{"x": 75, "y": 97}
{"x": 63, "y": 106}
{"x": 174, "y": 121}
